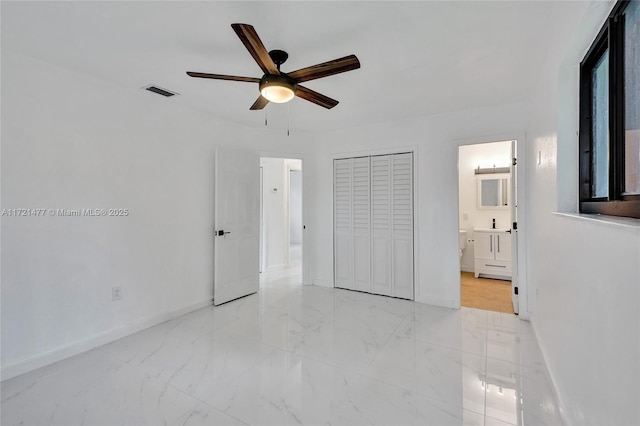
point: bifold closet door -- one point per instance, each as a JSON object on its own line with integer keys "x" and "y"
{"x": 361, "y": 224}
{"x": 373, "y": 224}
{"x": 381, "y": 225}
{"x": 352, "y": 224}
{"x": 342, "y": 223}
{"x": 392, "y": 225}
{"x": 402, "y": 225}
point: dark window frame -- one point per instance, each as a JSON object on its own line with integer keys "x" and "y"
{"x": 611, "y": 39}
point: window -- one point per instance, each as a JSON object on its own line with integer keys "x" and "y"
{"x": 610, "y": 116}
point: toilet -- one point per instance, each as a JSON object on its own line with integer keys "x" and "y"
{"x": 463, "y": 241}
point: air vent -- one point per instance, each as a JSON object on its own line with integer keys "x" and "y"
{"x": 160, "y": 91}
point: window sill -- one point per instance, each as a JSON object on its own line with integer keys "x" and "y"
{"x": 603, "y": 219}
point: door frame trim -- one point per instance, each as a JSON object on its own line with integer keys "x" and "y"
{"x": 521, "y": 140}
{"x": 414, "y": 150}
{"x": 306, "y": 242}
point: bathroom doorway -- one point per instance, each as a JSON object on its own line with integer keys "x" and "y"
{"x": 487, "y": 200}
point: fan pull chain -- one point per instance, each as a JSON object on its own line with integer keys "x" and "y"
{"x": 288, "y": 117}
{"x": 265, "y": 117}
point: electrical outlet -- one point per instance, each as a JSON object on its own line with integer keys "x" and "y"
{"x": 116, "y": 293}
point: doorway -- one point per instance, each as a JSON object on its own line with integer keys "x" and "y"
{"x": 281, "y": 236}
{"x": 488, "y": 250}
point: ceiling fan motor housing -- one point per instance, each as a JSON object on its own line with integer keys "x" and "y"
{"x": 279, "y": 57}
{"x": 280, "y": 86}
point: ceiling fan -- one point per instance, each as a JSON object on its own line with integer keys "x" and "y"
{"x": 275, "y": 85}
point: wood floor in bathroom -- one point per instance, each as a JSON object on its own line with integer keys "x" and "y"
{"x": 484, "y": 293}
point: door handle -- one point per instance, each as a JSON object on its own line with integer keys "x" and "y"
{"x": 221, "y": 233}
{"x": 490, "y": 243}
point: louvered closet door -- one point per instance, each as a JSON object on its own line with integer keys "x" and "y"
{"x": 402, "y": 225}
{"x": 361, "y": 208}
{"x": 342, "y": 220}
{"x": 373, "y": 220}
{"x": 381, "y": 225}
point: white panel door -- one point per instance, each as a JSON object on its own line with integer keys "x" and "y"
{"x": 513, "y": 205}
{"x": 381, "y": 225}
{"x": 361, "y": 208}
{"x": 237, "y": 225}
{"x": 342, "y": 220}
{"x": 402, "y": 225}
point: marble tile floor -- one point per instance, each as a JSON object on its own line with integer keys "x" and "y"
{"x": 295, "y": 354}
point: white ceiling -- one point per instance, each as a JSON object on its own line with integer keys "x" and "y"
{"x": 417, "y": 58}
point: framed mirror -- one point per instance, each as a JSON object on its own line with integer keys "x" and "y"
{"x": 493, "y": 191}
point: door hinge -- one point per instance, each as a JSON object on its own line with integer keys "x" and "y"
{"x": 515, "y": 291}
{"x": 514, "y": 161}
{"x": 515, "y": 226}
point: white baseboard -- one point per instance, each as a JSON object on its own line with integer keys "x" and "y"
{"x": 275, "y": 268}
{"x": 437, "y": 301}
{"x": 466, "y": 268}
{"x": 40, "y": 360}
{"x": 562, "y": 407}
{"x": 323, "y": 283}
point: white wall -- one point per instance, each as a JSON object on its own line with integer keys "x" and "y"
{"x": 470, "y": 216}
{"x": 295, "y": 207}
{"x": 69, "y": 141}
{"x": 435, "y": 140}
{"x": 276, "y": 210}
{"x": 584, "y": 272}
{"x": 274, "y": 214}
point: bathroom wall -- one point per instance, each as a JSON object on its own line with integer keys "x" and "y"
{"x": 469, "y": 158}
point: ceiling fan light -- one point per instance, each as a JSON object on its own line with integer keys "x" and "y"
{"x": 277, "y": 94}
{"x": 277, "y": 88}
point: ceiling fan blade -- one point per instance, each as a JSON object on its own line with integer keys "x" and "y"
{"x": 254, "y": 45}
{"x": 315, "y": 97}
{"x": 325, "y": 69}
{"x": 223, "y": 77}
{"x": 260, "y": 103}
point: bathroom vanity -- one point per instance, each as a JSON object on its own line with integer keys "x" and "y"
{"x": 492, "y": 252}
